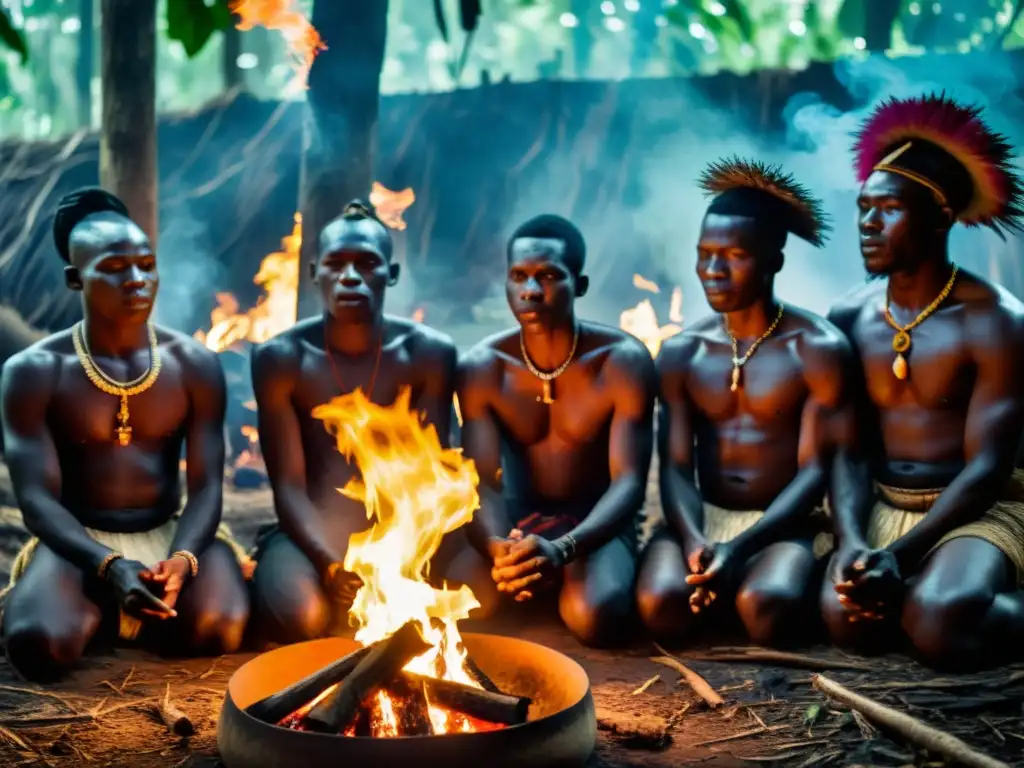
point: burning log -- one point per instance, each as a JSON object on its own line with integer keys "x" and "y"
{"x": 378, "y": 667}
{"x": 478, "y": 674}
{"x": 278, "y": 706}
{"x": 414, "y": 710}
{"x": 480, "y": 704}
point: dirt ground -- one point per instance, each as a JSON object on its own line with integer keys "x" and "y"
{"x": 772, "y": 715}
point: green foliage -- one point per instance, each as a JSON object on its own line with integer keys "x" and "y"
{"x": 11, "y": 37}
{"x": 192, "y": 22}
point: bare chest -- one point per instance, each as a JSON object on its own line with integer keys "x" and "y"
{"x": 580, "y": 411}
{"x": 83, "y": 414}
{"x": 771, "y": 387}
{"x": 938, "y": 364}
{"x": 321, "y": 379}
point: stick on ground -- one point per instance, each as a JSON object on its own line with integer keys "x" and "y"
{"x": 699, "y": 685}
{"x": 910, "y": 728}
{"x": 177, "y": 722}
{"x": 779, "y": 658}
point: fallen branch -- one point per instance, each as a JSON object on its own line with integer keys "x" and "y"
{"x": 46, "y": 721}
{"x": 699, "y": 685}
{"x": 910, "y": 728}
{"x": 177, "y": 722}
{"x": 646, "y": 685}
{"x": 740, "y": 735}
{"x": 780, "y": 658}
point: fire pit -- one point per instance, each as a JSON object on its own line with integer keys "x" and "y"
{"x": 560, "y": 729}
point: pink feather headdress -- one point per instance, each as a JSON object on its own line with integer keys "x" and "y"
{"x": 958, "y": 131}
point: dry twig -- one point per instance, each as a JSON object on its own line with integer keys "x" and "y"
{"x": 740, "y": 735}
{"x": 177, "y": 722}
{"x": 699, "y": 685}
{"x": 646, "y": 685}
{"x": 780, "y": 658}
{"x": 912, "y": 729}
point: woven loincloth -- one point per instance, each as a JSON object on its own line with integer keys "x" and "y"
{"x": 897, "y": 511}
{"x": 721, "y": 525}
{"x": 147, "y": 547}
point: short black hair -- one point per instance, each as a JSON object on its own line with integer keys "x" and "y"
{"x": 359, "y": 210}
{"x": 77, "y": 205}
{"x": 550, "y": 226}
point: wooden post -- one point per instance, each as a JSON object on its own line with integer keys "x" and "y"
{"x": 340, "y": 121}
{"x": 85, "y": 65}
{"x": 128, "y": 165}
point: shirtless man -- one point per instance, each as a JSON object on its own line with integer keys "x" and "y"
{"x": 942, "y": 550}
{"x": 558, "y": 415}
{"x": 96, "y": 473}
{"x": 301, "y": 587}
{"x": 747, "y": 395}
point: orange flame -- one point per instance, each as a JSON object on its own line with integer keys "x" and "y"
{"x": 391, "y": 205}
{"x": 415, "y": 492}
{"x": 642, "y": 320}
{"x": 303, "y": 40}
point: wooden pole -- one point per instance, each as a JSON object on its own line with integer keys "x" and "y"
{"x": 128, "y": 165}
{"x": 340, "y": 121}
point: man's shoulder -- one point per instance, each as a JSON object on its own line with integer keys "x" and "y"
{"x": 818, "y": 335}
{"x": 40, "y": 358}
{"x": 422, "y": 341}
{"x": 991, "y": 310}
{"x": 845, "y": 310}
{"x": 284, "y": 350}
{"x": 627, "y": 357}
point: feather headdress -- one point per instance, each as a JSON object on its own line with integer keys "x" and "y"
{"x": 949, "y": 149}
{"x": 750, "y": 188}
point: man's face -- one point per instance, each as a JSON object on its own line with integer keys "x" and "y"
{"x": 114, "y": 267}
{"x": 732, "y": 263}
{"x": 540, "y": 286}
{"x": 353, "y": 271}
{"x": 897, "y": 220}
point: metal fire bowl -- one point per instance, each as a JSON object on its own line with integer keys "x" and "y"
{"x": 561, "y": 730}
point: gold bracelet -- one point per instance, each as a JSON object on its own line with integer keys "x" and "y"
{"x": 101, "y": 572}
{"x": 188, "y": 557}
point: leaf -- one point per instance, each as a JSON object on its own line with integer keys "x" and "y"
{"x": 193, "y": 22}
{"x": 12, "y": 37}
{"x": 812, "y": 715}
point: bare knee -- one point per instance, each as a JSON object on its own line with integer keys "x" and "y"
{"x": 44, "y": 652}
{"x": 943, "y": 626}
{"x": 664, "y": 610}
{"x": 216, "y": 630}
{"x": 597, "y": 620}
{"x": 772, "y": 614}
{"x": 292, "y": 616}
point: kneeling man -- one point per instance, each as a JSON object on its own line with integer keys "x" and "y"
{"x": 94, "y": 418}
{"x": 558, "y": 415}
{"x": 747, "y": 398}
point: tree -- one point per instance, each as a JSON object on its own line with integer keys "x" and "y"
{"x": 340, "y": 119}
{"x": 128, "y": 165}
{"x": 86, "y": 55}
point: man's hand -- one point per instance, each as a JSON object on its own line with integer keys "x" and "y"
{"x": 869, "y": 584}
{"x": 128, "y": 580}
{"x": 712, "y": 571}
{"x": 168, "y": 576}
{"x": 528, "y": 560}
{"x": 340, "y": 585}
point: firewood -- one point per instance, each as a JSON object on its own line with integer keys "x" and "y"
{"x": 177, "y": 722}
{"x": 483, "y": 705}
{"x": 277, "y": 706}
{"x": 699, "y": 685}
{"x": 910, "y": 728}
{"x": 377, "y": 668}
{"x": 412, "y": 707}
{"x": 478, "y": 674}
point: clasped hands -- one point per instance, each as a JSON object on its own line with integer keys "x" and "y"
{"x": 868, "y": 583}
{"x": 148, "y": 591}
{"x": 520, "y": 561}
{"x": 713, "y": 569}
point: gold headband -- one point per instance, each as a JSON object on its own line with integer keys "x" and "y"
{"x": 885, "y": 165}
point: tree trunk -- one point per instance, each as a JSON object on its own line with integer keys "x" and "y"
{"x": 128, "y": 166}
{"x": 231, "y": 50}
{"x": 340, "y": 120}
{"x": 86, "y": 56}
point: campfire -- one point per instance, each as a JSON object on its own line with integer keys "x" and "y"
{"x": 642, "y": 320}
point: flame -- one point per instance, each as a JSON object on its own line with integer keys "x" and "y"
{"x": 390, "y": 205}
{"x": 251, "y": 457}
{"x": 415, "y": 492}
{"x": 642, "y": 320}
{"x": 303, "y": 40}
{"x": 419, "y": 314}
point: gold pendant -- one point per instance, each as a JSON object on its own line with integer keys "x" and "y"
{"x": 123, "y": 431}
{"x": 735, "y": 377}
{"x": 546, "y": 397}
{"x": 901, "y": 342}
{"x": 900, "y": 368}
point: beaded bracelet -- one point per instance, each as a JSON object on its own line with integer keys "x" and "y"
{"x": 188, "y": 557}
{"x": 101, "y": 572}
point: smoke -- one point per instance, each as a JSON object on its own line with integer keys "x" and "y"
{"x": 815, "y": 147}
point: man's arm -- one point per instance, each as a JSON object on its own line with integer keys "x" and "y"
{"x": 274, "y": 371}
{"x": 29, "y": 451}
{"x": 680, "y": 499}
{"x": 204, "y": 449}
{"x": 995, "y": 419}
{"x": 631, "y": 375}
{"x": 479, "y": 375}
{"x": 825, "y": 360}
{"x": 439, "y": 361}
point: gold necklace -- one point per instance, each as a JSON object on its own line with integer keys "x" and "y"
{"x": 549, "y": 376}
{"x": 901, "y": 339}
{"x": 110, "y": 386}
{"x": 737, "y": 361}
